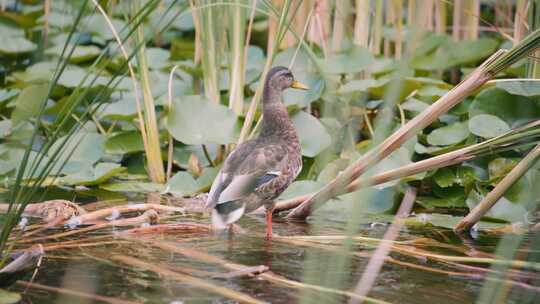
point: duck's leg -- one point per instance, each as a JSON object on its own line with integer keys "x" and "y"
{"x": 268, "y": 224}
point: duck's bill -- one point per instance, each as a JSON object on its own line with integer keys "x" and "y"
{"x": 298, "y": 85}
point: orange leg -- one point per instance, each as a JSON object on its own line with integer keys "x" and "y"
{"x": 268, "y": 224}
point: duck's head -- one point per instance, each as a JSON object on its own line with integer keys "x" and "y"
{"x": 281, "y": 78}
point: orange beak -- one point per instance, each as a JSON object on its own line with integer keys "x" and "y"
{"x": 298, "y": 85}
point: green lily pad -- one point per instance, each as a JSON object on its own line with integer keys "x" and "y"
{"x": 503, "y": 209}
{"x": 133, "y": 186}
{"x": 82, "y": 53}
{"x": 29, "y": 102}
{"x": 124, "y": 142}
{"x": 182, "y": 184}
{"x": 525, "y": 87}
{"x": 194, "y": 120}
{"x": 16, "y": 45}
{"x": 8, "y": 297}
{"x": 355, "y": 60}
{"x": 94, "y": 175}
{"x": 449, "y": 135}
{"x": 445, "y": 221}
{"x": 487, "y": 126}
{"x": 312, "y": 134}
{"x": 515, "y": 110}
{"x": 298, "y": 188}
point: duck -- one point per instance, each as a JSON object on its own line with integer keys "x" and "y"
{"x": 257, "y": 171}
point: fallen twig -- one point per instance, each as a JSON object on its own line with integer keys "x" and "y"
{"x": 79, "y": 220}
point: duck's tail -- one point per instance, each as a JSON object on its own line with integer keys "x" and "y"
{"x": 227, "y": 213}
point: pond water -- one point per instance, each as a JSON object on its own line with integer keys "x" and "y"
{"x": 94, "y": 269}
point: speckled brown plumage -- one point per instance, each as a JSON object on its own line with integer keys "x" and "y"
{"x": 259, "y": 170}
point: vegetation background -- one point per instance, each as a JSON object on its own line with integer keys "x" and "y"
{"x": 428, "y": 109}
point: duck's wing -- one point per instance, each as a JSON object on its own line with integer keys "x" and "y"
{"x": 244, "y": 170}
{"x": 247, "y": 168}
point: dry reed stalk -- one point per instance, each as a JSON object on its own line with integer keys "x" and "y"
{"x": 149, "y": 216}
{"x": 375, "y": 43}
{"x": 92, "y": 216}
{"x": 377, "y": 259}
{"x": 341, "y": 16}
{"x": 197, "y": 23}
{"x": 398, "y": 19}
{"x": 441, "y": 16}
{"x": 469, "y": 85}
{"x": 520, "y": 20}
{"x": 456, "y": 25}
{"x": 494, "y": 195}
{"x": 361, "y": 23}
{"x": 153, "y": 159}
{"x": 320, "y": 27}
{"x": 195, "y": 282}
{"x": 271, "y": 277}
{"x": 79, "y": 294}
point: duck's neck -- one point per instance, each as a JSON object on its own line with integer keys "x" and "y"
{"x": 276, "y": 121}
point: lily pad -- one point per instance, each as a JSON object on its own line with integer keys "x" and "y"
{"x": 8, "y": 297}
{"x": 513, "y": 109}
{"x": 487, "y": 126}
{"x": 125, "y": 142}
{"x": 194, "y": 120}
{"x": 355, "y": 60}
{"x": 525, "y": 87}
{"x": 133, "y": 186}
{"x": 182, "y": 184}
{"x": 94, "y": 175}
{"x": 449, "y": 135}
{"x": 312, "y": 134}
{"x": 29, "y": 102}
{"x": 16, "y": 45}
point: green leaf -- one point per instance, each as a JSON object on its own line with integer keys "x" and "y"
{"x": 312, "y": 134}
{"x": 29, "y": 102}
{"x": 82, "y": 53}
{"x": 525, "y": 87}
{"x": 124, "y": 142}
{"x": 453, "y": 53}
{"x": 304, "y": 98}
{"x": 449, "y": 135}
{"x": 123, "y": 109}
{"x": 194, "y": 120}
{"x": 444, "y": 177}
{"x": 133, "y": 186}
{"x": 355, "y": 60}
{"x": 500, "y": 166}
{"x": 182, "y": 184}
{"x": 94, "y": 175}
{"x": 487, "y": 126}
{"x": 16, "y": 45}
{"x": 5, "y": 128}
{"x": 87, "y": 149}
{"x": 445, "y": 221}
{"x": 298, "y": 188}
{"x": 157, "y": 58}
{"x": 8, "y": 297}
{"x": 513, "y": 109}
{"x": 503, "y": 208}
